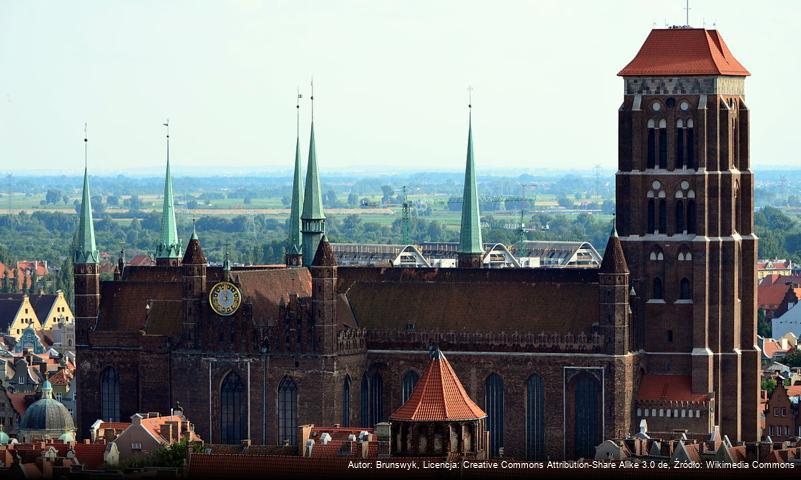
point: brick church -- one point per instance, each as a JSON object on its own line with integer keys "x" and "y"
{"x": 559, "y": 359}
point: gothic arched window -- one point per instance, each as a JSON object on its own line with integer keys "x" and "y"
{"x": 681, "y": 160}
{"x": 233, "y": 409}
{"x": 287, "y": 412}
{"x": 110, "y": 395}
{"x": 587, "y": 432}
{"x": 691, "y": 216}
{"x": 493, "y": 405}
{"x": 680, "y": 225}
{"x": 662, "y": 215}
{"x": 656, "y": 292}
{"x": 651, "y": 145}
{"x": 651, "y": 216}
{"x": 684, "y": 289}
{"x": 346, "y": 402}
{"x": 663, "y": 144}
{"x": 364, "y": 401}
{"x": 376, "y": 399}
{"x": 690, "y": 145}
{"x": 535, "y": 417}
{"x": 409, "y": 381}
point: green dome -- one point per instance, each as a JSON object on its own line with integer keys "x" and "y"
{"x": 4, "y": 438}
{"x": 47, "y": 415}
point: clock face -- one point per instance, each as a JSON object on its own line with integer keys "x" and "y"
{"x": 225, "y": 298}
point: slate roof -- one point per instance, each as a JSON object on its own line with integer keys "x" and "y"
{"x": 683, "y": 51}
{"x": 9, "y": 306}
{"x": 668, "y": 388}
{"x": 438, "y": 397}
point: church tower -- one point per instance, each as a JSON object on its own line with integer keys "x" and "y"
{"x": 471, "y": 248}
{"x": 85, "y": 260}
{"x": 194, "y": 266}
{"x": 685, "y": 216}
{"x": 168, "y": 251}
{"x": 613, "y": 278}
{"x": 294, "y": 247}
{"x": 313, "y": 217}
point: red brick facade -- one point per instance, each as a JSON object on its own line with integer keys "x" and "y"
{"x": 553, "y": 356}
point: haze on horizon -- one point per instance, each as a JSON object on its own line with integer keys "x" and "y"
{"x": 390, "y": 81}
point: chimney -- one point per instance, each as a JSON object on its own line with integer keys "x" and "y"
{"x": 166, "y": 432}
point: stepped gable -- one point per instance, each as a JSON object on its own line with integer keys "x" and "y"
{"x": 683, "y": 51}
{"x": 473, "y": 300}
{"x": 438, "y": 397}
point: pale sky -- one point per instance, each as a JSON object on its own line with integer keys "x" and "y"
{"x": 390, "y": 79}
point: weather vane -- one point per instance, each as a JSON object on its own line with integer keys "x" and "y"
{"x": 470, "y": 96}
{"x": 312, "y": 98}
{"x": 85, "y": 147}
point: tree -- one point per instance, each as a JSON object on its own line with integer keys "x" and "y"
{"x": 387, "y": 192}
{"x": 763, "y": 324}
{"x": 192, "y": 204}
{"x": 769, "y": 385}
{"x": 353, "y": 200}
{"x": 52, "y": 197}
{"x": 792, "y": 359}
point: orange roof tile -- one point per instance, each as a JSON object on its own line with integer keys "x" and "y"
{"x": 668, "y": 388}
{"x": 683, "y": 51}
{"x": 438, "y": 396}
{"x": 114, "y": 425}
{"x": 793, "y": 391}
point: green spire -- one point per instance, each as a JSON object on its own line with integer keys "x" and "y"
{"x": 86, "y": 249}
{"x": 313, "y": 218}
{"x": 169, "y": 246}
{"x": 470, "y": 233}
{"x": 294, "y": 242}
{"x": 194, "y": 231}
{"x": 313, "y": 198}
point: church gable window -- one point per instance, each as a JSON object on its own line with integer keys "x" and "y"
{"x": 232, "y": 409}
{"x": 493, "y": 405}
{"x": 110, "y": 395}
{"x": 288, "y": 412}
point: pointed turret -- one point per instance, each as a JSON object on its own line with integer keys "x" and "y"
{"x": 168, "y": 251}
{"x": 471, "y": 249}
{"x": 194, "y": 253}
{"x": 313, "y": 218}
{"x": 614, "y": 260}
{"x": 614, "y": 291}
{"x": 85, "y": 247}
{"x": 294, "y": 247}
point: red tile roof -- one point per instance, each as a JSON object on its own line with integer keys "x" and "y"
{"x": 90, "y": 455}
{"x": 684, "y": 51}
{"x": 771, "y": 295}
{"x": 771, "y": 347}
{"x": 61, "y": 377}
{"x": 438, "y": 396}
{"x": 668, "y": 388}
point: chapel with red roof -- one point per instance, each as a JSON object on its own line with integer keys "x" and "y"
{"x": 542, "y": 362}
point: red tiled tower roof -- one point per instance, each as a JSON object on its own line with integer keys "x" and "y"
{"x": 438, "y": 397}
{"x": 684, "y": 51}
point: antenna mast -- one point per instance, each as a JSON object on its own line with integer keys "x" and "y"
{"x": 405, "y": 218}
